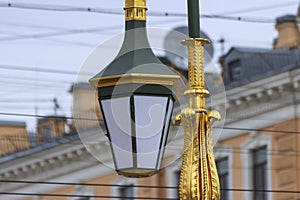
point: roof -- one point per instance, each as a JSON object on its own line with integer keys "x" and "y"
{"x": 12, "y": 123}
{"x": 243, "y": 65}
{"x": 286, "y": 18}
{"x": 69, "y": 138}
{"x": 248, "y": 50}
{"x": 38, "y": 148}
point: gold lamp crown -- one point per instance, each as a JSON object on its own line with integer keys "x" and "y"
{"x": 135, "y": 10}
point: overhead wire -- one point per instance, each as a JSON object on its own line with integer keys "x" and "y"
{"x": 233, "y": 150}
{"x": 86, "y": 184}
{"x": 32, "y": 77}
{"x": 217, "y": 148}
{"x": 17, "y": 36}
{"x": 67, "y": 32}
{"x": 91, "y": 119}
{"x": 64, "y": 32}
{"x": 118, "y": 185}
{"x": 260, "y": 8}
{"x": 35, "y": 85}
{"x": 50, "y": 70}
{"x": 260, "y": 130}
{"x": 60, "y": 8}
{"x": 135, "y": 186}
{"x": 35, "y": 80}
{"x": 55, "y": 33}
{"x": 81, "y": 196}
{"x": 26, "y": 100}
{"x": 41, "y": 69}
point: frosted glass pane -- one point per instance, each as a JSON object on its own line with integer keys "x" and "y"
{"x": 149, "y": 117}
{"x": 123, "y": 158}
{"x": 168, "y": 117}
{"x": 147, "y": 160}
{"x": 118, "y": 120}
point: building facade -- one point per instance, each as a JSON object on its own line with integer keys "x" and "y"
{"x": 13, "y": 137}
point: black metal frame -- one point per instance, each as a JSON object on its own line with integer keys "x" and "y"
{"x": 161, "y": 146}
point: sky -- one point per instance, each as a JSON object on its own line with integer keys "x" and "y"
{"x": 42, "y": 51}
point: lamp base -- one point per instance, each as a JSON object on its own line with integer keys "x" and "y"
{"x": 137, "y": 173}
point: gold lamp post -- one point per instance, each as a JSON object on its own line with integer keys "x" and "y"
{"x": 199, "y": 177}
{"x": 123, "y": 80}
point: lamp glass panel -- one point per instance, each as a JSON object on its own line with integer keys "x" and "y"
{"x": 118, "y": 120}
{"x": 123, "y": 158}
{"x": 150, "y": 112}
{"x": 165, "y": 134}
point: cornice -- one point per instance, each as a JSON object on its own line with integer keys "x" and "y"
{"x": 261, "y": 96}
{"x": 57, "y": 161}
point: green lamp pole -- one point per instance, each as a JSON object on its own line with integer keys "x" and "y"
{"x": 193, "y": 18}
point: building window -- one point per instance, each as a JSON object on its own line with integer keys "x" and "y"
{"x": 223, "y": 171}
{"x": 84, "y": 193}
{"x": 46, "y": 133}
{"x": 235, "y": 70}
{"x": 177, "y": 178}
{"x": 32, "y": 139}
{"x": 173, "y": 178}
{"x": 260, "y": 172}
{"x": 126, "y": 190}
{"x": 126, "y": 193}
{"x": 255, "y": 162}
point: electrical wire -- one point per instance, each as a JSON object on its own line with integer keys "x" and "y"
{"x": 260, "y": 8}
{"x": 76, "y": 141}
{"x": 260, "y": 130}
{"x": 35, "y": 85}
{"x": 77, "y": 31}
{"x": 81, "y": 196}
{"x": 35, "y": 79}
{"x": 91, "y": 119}
{"x": 138, "y": 186}
{"x": 240, "y": 19}
{"x": 102, "y": 30}
{"x": 117, "y": 185}
{"x": 34, "y": 139}
{"x": 87, "y": 184}
{"x": 45, "y": 116}
{"x": 23, "y": 100}
{"x": 60, "y": 8}
{"x": 63, "y": 31}
{"x": 42, "y": 70}
{"x": 57, "y": 33}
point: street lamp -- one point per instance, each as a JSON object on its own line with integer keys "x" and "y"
{"x": 136, "y": 98}
{"x": 135, "y": 93}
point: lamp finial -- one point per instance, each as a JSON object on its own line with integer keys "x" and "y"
{"x": 135, "y": 10}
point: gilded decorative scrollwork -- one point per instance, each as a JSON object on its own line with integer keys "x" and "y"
{"x": 199, "y": 178}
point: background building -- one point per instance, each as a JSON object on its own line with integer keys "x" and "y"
{"x": 13, "y": 137}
